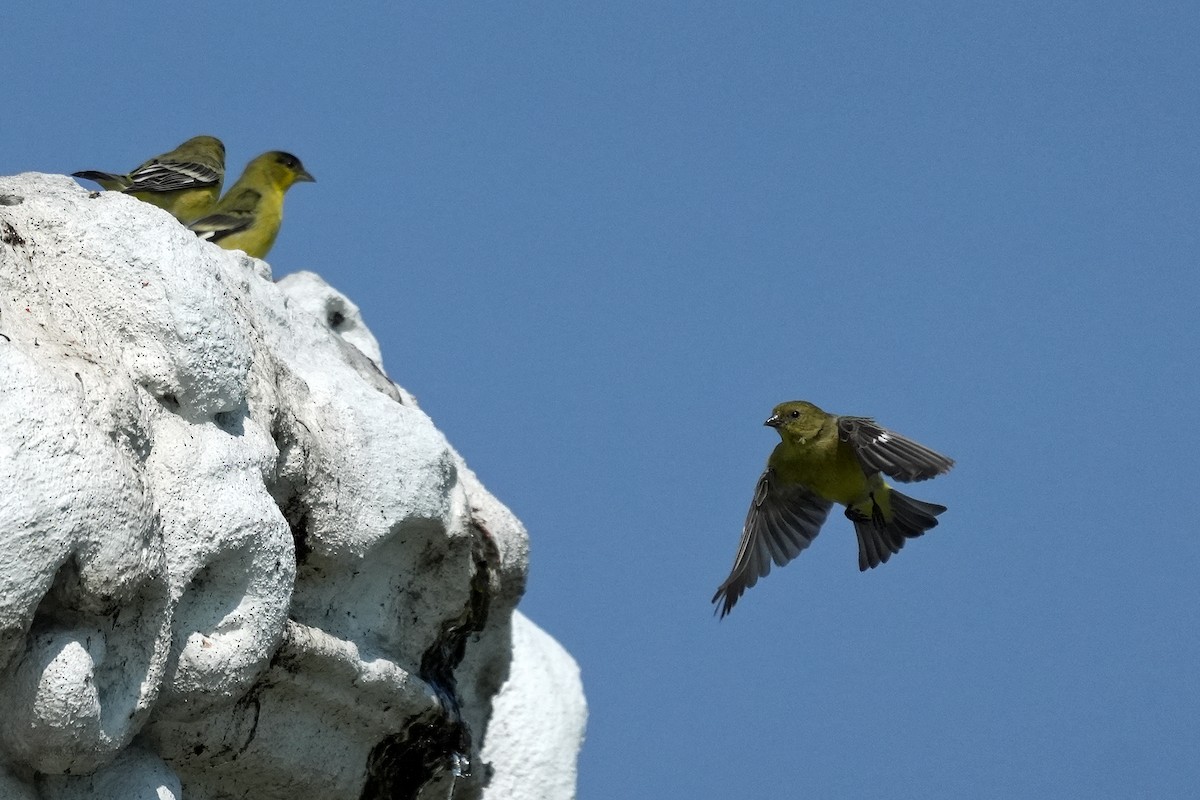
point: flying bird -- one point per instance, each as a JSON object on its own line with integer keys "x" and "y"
{"x": 824, "y": 459}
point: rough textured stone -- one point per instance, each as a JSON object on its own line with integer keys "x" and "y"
{"x": 240, "y": 562}
{"x": 539, "y": 718}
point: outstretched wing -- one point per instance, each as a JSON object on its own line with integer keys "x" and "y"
{"x": 881, "y": 450}
{"x": 783, "y": 520}
{"x": 168, "y": 176}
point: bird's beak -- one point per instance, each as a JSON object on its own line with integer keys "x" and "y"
{"x": 774, "y": 421}
{"x": 303, "y": 175}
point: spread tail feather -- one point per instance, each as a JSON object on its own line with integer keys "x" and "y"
{"x": 878, "y": 539}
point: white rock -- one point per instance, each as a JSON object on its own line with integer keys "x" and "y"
{"x": 534, "y": 739}
{"x": 226, "y": 532}
{"x": 135, "y": 774}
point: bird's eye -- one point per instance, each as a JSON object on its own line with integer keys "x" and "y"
{"x": 795, "y": 414}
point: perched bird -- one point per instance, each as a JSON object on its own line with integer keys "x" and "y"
{"x": 248, "y": 216}
{"x": 185, "y": 182}
{"x": 826, "y": 459}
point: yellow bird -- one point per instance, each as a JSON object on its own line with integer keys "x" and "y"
{"x": 185, "y": 182}
{"x": 825, "y": 459}
{"x": 249, "y": 215}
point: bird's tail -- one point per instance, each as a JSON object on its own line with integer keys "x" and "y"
{"x": 879, "y": 537}
{"x": 114, "y": 183}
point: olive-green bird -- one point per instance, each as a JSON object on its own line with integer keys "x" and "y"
{"x": 249, "y": 215}
{"x": 826, "y": 459}
{"x": 185, "y": 182}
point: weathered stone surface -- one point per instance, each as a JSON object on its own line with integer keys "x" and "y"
{"x": 238, "y": 561}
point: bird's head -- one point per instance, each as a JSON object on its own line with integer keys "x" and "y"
{"x": 797, "y": 420}
{"x": 209, "y": 142}
{"x": 206, "y": 146}
{"x": 282, "y": 168}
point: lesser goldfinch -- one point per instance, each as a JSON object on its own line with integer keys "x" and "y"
{"x": 825, "y": 459}
{"x": 185, "y": 182}
{"x": 248, "y": 216}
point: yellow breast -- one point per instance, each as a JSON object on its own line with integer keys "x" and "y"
{"x": 826, "y": 465}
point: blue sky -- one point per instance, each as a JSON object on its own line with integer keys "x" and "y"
{"x": 600, "y": 242}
